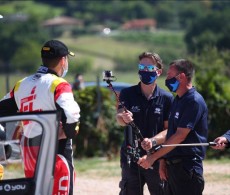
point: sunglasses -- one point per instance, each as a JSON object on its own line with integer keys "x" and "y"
{"x": 149, "y": 67}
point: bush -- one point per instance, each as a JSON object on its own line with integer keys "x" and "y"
{"x": 212, "y": 82}
{"x": 99, "y": 135}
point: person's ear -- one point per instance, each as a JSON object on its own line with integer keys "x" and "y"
{"x": 159, "y": 72}
{"x": 182, "y": 76}
{"x": 63, "y": 60}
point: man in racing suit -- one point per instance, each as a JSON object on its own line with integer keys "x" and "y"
{"x": 46, "y": 90}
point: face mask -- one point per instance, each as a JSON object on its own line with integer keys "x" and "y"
{"x": 77, "y": 81}
{"x": 64, "y": 72}
{"x": 147, "y": 77}
{"x": 172, "y": 84}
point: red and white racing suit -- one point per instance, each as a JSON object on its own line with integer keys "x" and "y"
{"x": 41, "y": 92}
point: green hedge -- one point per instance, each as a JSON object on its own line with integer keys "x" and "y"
{"x": 99, "y": 134}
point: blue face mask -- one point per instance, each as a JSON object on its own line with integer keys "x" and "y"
{"x": 64, "y": 72}
{"x": 147, "y": 77}
{"x": 172, "y": 84}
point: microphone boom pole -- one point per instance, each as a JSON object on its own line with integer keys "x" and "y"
{"x": 184, "y": 145}
{"x": 109, "y": 78}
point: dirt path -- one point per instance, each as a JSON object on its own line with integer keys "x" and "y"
{"x": 217, "y": 179}
{"x": 217, "y": 182}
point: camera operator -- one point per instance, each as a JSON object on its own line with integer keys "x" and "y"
{"x": 148, "y": 107}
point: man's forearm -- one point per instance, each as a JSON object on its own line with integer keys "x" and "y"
{"x": 176, "y": 138}
{"x": 160, "y": 137}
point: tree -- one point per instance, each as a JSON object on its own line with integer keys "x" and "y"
{"x": 209, "y": 30}
{"x": 213, "y": 83}
{"x": 17, "y": 34}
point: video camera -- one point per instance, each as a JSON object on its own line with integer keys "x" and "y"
{"x": 133, "y": 154}
{"x": 108, "y": 76}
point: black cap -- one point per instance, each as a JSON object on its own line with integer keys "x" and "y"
{"x": 55, "y": 48}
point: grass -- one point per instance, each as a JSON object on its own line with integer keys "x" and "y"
{"x": 13, "y": 171}
{"x": 103, "y": 50}
{"x": 104, "y": 168}
{"x": 85, "y": 165}
{"x": 102, "y": 46}
{"x": 98, "y": 167}
{"x": 132, "y": 43}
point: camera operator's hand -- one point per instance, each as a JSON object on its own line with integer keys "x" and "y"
{"x": 146, "y": 144}
{"x": 221, "y": 143}
{"x": 163, "y": 170}
{"x": 127, "y": 116}
{"x": 146, "y": 161}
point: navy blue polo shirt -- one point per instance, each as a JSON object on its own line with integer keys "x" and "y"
{"x": 227, "y": 135}
{"x": 189, "y": 111}
{"x": 149, "y": 115}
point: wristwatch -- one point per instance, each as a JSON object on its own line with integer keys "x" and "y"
{"x": 154, "y": 142}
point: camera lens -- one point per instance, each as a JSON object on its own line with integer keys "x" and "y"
{"x": 108, "y": 76}
{"x": 108, "y": 73}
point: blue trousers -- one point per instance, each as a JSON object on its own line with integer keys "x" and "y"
{"x": 182, "y": 181}
{"x": 135, "y": 177}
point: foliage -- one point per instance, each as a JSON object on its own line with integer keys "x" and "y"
{"x": 99, "y": 135}
{"x": 14, "y": 42}
{"x": 22, "y": 35}
{"x": 213, "y": 83}
{"x": 93, "y": 12}
{"x": 81, "y": 65}
{"x": 167, "y": 13}
{"x": 190, "y": 11}
{"x": 21, "y": 61}
{"x": 111, "y": 14}
{"x": 39, "y": 10}
{"x": 210, "y": 30}
{"x": 156, "y": 38}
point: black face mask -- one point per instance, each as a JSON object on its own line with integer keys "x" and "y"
{"x": 172, "y": 84}
{"x": 147, "y": 77}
